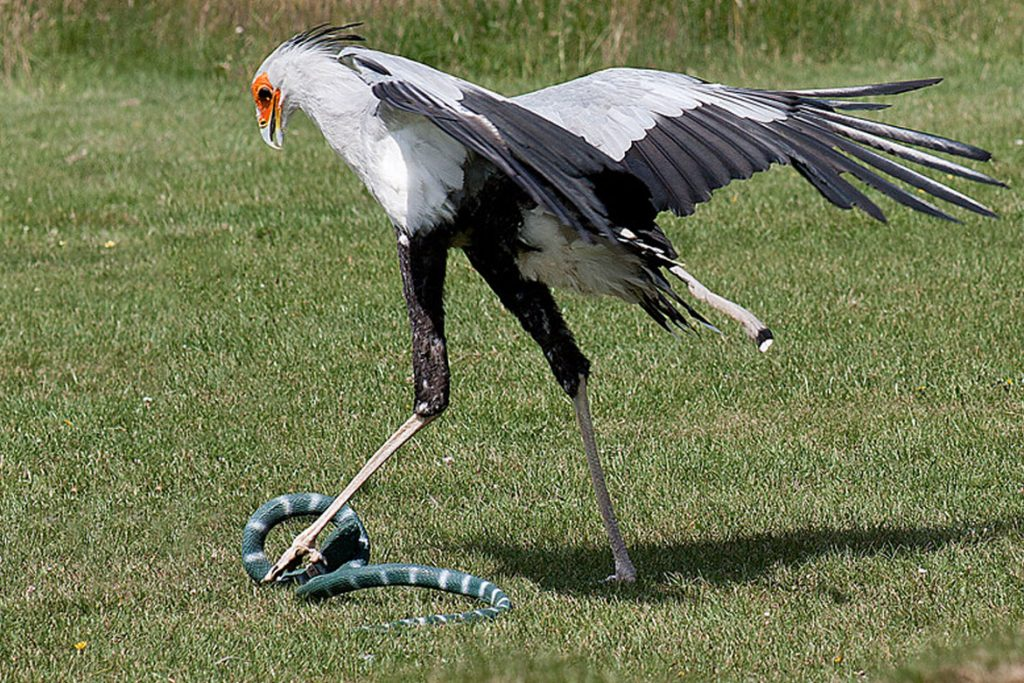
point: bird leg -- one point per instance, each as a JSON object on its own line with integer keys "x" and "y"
{"x": 303, "y": 545}
{"x": 421, "y": 261}
{"x": 624, "y": 570}
{"x": 531, "y": 302}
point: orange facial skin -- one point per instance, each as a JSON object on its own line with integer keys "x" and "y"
{"x": 268, "y": 101}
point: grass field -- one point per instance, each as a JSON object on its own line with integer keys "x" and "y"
{"x": 191, "y": 324}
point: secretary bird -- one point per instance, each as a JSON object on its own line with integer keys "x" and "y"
{"x": 560, "y": 188}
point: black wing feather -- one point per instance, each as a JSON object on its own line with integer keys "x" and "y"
{"x": 684, "y": 158}
{"x": 583, "y": 187}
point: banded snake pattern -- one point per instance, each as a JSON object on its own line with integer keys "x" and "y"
{"x": 345, "y": 565}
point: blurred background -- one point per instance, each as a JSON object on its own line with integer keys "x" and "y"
{"x": 546, "y": 37}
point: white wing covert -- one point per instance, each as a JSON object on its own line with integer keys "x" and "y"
{"x": 685, "y": 138}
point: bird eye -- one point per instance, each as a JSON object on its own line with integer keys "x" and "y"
{"x": 264, "y": 95}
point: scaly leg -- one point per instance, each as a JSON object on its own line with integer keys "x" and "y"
{"x": 422, "y": 262}
{"x": 303, "y": 545}
{"x": 531, "y": 302}
{"x": 624, "y": 570}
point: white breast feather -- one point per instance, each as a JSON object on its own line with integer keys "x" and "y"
{"x": 561, "y": 259}
{"x": 417, "y": 167}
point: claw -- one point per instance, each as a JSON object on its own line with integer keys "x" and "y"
{"x": 620, "y": 579}
{"x": 299, "y": 549}
{"x": 302, "y": 546}
{"x": 622, "y": 575}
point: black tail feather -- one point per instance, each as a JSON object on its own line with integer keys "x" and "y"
{"x": 913, "y": 137}
{"x": 894, "y": 88}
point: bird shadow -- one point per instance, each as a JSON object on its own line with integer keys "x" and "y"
{"x": 578, "y": 569}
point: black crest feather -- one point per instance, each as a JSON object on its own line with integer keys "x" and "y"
{"x": 326, "y": 37}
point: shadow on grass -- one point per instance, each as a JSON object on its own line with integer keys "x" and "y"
{"x": 577, "y": 569}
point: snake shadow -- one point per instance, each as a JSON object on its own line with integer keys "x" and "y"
{"x": 578, "y": 569}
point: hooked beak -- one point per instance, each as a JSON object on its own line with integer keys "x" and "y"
{"x": 270, "y": 127}
{"x": 268, "y": 110}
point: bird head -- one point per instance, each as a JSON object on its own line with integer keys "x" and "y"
{"x": 269, "y": 110}
{"x": 270, "y": 87}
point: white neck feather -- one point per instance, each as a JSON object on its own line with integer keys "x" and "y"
{"x": 408, "y": 165}
{"x": 334, "y": 98}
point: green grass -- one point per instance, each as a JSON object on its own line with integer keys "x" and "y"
{"x": 191, "y": 324}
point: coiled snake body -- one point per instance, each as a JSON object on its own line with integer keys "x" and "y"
{"x": 345, "y": 565}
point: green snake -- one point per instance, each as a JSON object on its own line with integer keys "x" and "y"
{"x": 345, "y": 567}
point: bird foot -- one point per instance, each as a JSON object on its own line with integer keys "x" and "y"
{"x": 622, "y": 577}
{"x": 302, "y": 548}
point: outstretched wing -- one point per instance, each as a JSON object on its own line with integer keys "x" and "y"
{"x": 685, "y": 138}
{"x": 582, "y": 186}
